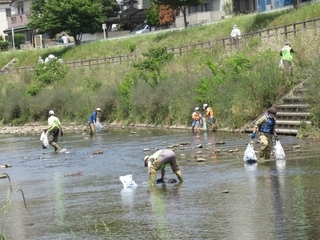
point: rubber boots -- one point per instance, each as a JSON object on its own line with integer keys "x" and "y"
{"x": 179, "y": 175}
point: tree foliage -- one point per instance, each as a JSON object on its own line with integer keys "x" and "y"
{"x": 153, "y": 14}
{"x": 166, "y": 15}
{"x": 47, "y": 74}
{"x": 76, "y": 17}
{"x": 19, "y": 39}
{"x": 179, "y": 5}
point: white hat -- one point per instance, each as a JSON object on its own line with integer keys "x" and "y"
{"x": 145, "y": 160}
{"x": 205, "y": 105}
{"x": 197, "y": 109}
{"x": 51, "y": 112}
{"x": 235, "y": 26}
{"x": 98, "y": 109}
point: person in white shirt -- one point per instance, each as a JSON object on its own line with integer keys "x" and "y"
{"x": 235, "y": 33}
{"x": 65, "y": 39}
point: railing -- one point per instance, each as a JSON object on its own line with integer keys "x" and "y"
{"x": 226, "y": 43}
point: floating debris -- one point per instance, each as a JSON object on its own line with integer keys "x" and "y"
{"x": 73, "y": 174}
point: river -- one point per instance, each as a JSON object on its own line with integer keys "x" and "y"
{"x": 221, "y": 197}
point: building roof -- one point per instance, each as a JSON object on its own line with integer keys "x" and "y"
{"x": 15, "y": 29}
{"x": 132, "y": 15}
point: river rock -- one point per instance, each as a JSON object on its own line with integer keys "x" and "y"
{"x": 201, "y": 160}
{"x": 97, "y": 152}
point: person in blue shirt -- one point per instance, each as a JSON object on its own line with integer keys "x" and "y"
{"x": 266, "y": 127}
{"x": 92, "y": 121}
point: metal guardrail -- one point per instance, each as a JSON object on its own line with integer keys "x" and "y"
{"x": 225, "y": 43}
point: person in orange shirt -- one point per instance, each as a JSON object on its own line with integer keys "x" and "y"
{"x": 210, "y": 115}
{"x": 196, "y": 120}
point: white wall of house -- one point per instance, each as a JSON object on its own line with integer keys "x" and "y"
{"x": 208, "y": 11}
{"x": 3, "y": 17}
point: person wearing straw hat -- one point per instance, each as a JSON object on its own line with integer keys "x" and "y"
{"x": 158, "y": 161}
{"x": 196, "y": 120}
{"x": 92, "y": 121}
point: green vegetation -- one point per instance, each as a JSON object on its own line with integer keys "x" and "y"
{"x": 160, "y": 88}
{"x": 6, "y": 208}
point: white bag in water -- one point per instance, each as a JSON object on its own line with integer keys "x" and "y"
{"x": 44, "y": 140}
{"x": 278, "y": 150}
{"x": 127, "y": 181}
{"x": 249, "y": 154}
{"x": 204, "y": 123}
{"x": 98, "y": 125}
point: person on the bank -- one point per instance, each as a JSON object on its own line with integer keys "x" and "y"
{"x": 266, "y": 127}
{"x": 54, "y": 130}
{"x": 196, "y": 120}
{"x": 210, "y": 115}
{"x": 92, "y": 121}
{"x": 286, "y": 57}
{"x": 158, "y": 161}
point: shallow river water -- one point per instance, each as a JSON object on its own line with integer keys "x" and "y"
{"x": 221, "y": 198}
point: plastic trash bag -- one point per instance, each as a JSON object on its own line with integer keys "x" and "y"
{"x": 98, "y": 125}
{"x": 281, "y": 64}
{"x": 278, "y": 150}
{"x": 249, "y": 154}
{"x": 204, "y": 123}
{"x": 127, "y": 181}
{"x": 44, "y": 140}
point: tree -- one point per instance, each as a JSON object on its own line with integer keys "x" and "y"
{"x": 76, "y": 17}
{"x": 179, "y": 5}
{"x": 19, "y": 39}
{"x": 166, "y": 15}
{"x": 110, "y": 7}
{"x": 153, "y": 14}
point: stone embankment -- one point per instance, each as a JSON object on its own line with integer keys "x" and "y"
{"x": 37, "y": 128}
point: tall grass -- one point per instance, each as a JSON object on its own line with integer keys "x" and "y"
{"x": 238, "y": 84}
{"x": 6, "y": 207}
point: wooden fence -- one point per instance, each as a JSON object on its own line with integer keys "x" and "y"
{"x": 226, "y": 43}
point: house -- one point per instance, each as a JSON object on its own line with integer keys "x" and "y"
{"x": 17, "y": 20}
{"x": 5, "y": 10}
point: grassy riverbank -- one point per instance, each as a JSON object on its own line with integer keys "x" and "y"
{"x": 164, "y": 89}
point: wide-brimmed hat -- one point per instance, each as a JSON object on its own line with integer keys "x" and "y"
{"x": 98, "y": 109}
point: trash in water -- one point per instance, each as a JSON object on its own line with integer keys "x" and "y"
{"x": 127, "y": 181}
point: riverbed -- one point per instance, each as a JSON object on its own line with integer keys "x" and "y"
{"x": 221, "y": 197}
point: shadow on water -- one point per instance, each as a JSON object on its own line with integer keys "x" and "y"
{"x": 221, "y": 198}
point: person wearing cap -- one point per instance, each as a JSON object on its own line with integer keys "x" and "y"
{"x": 266, "y": 127}
{"x": 40, "y": 60}
{"x": 286, "y": 57}
{"x": 54, "y": 129}
{"x": 196, "y": 120}
{"x": 92, "y": 121}
{"x": 235, "y": 33}
{"x": 158, "y": 161}
{"x": 210, "y": 115}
